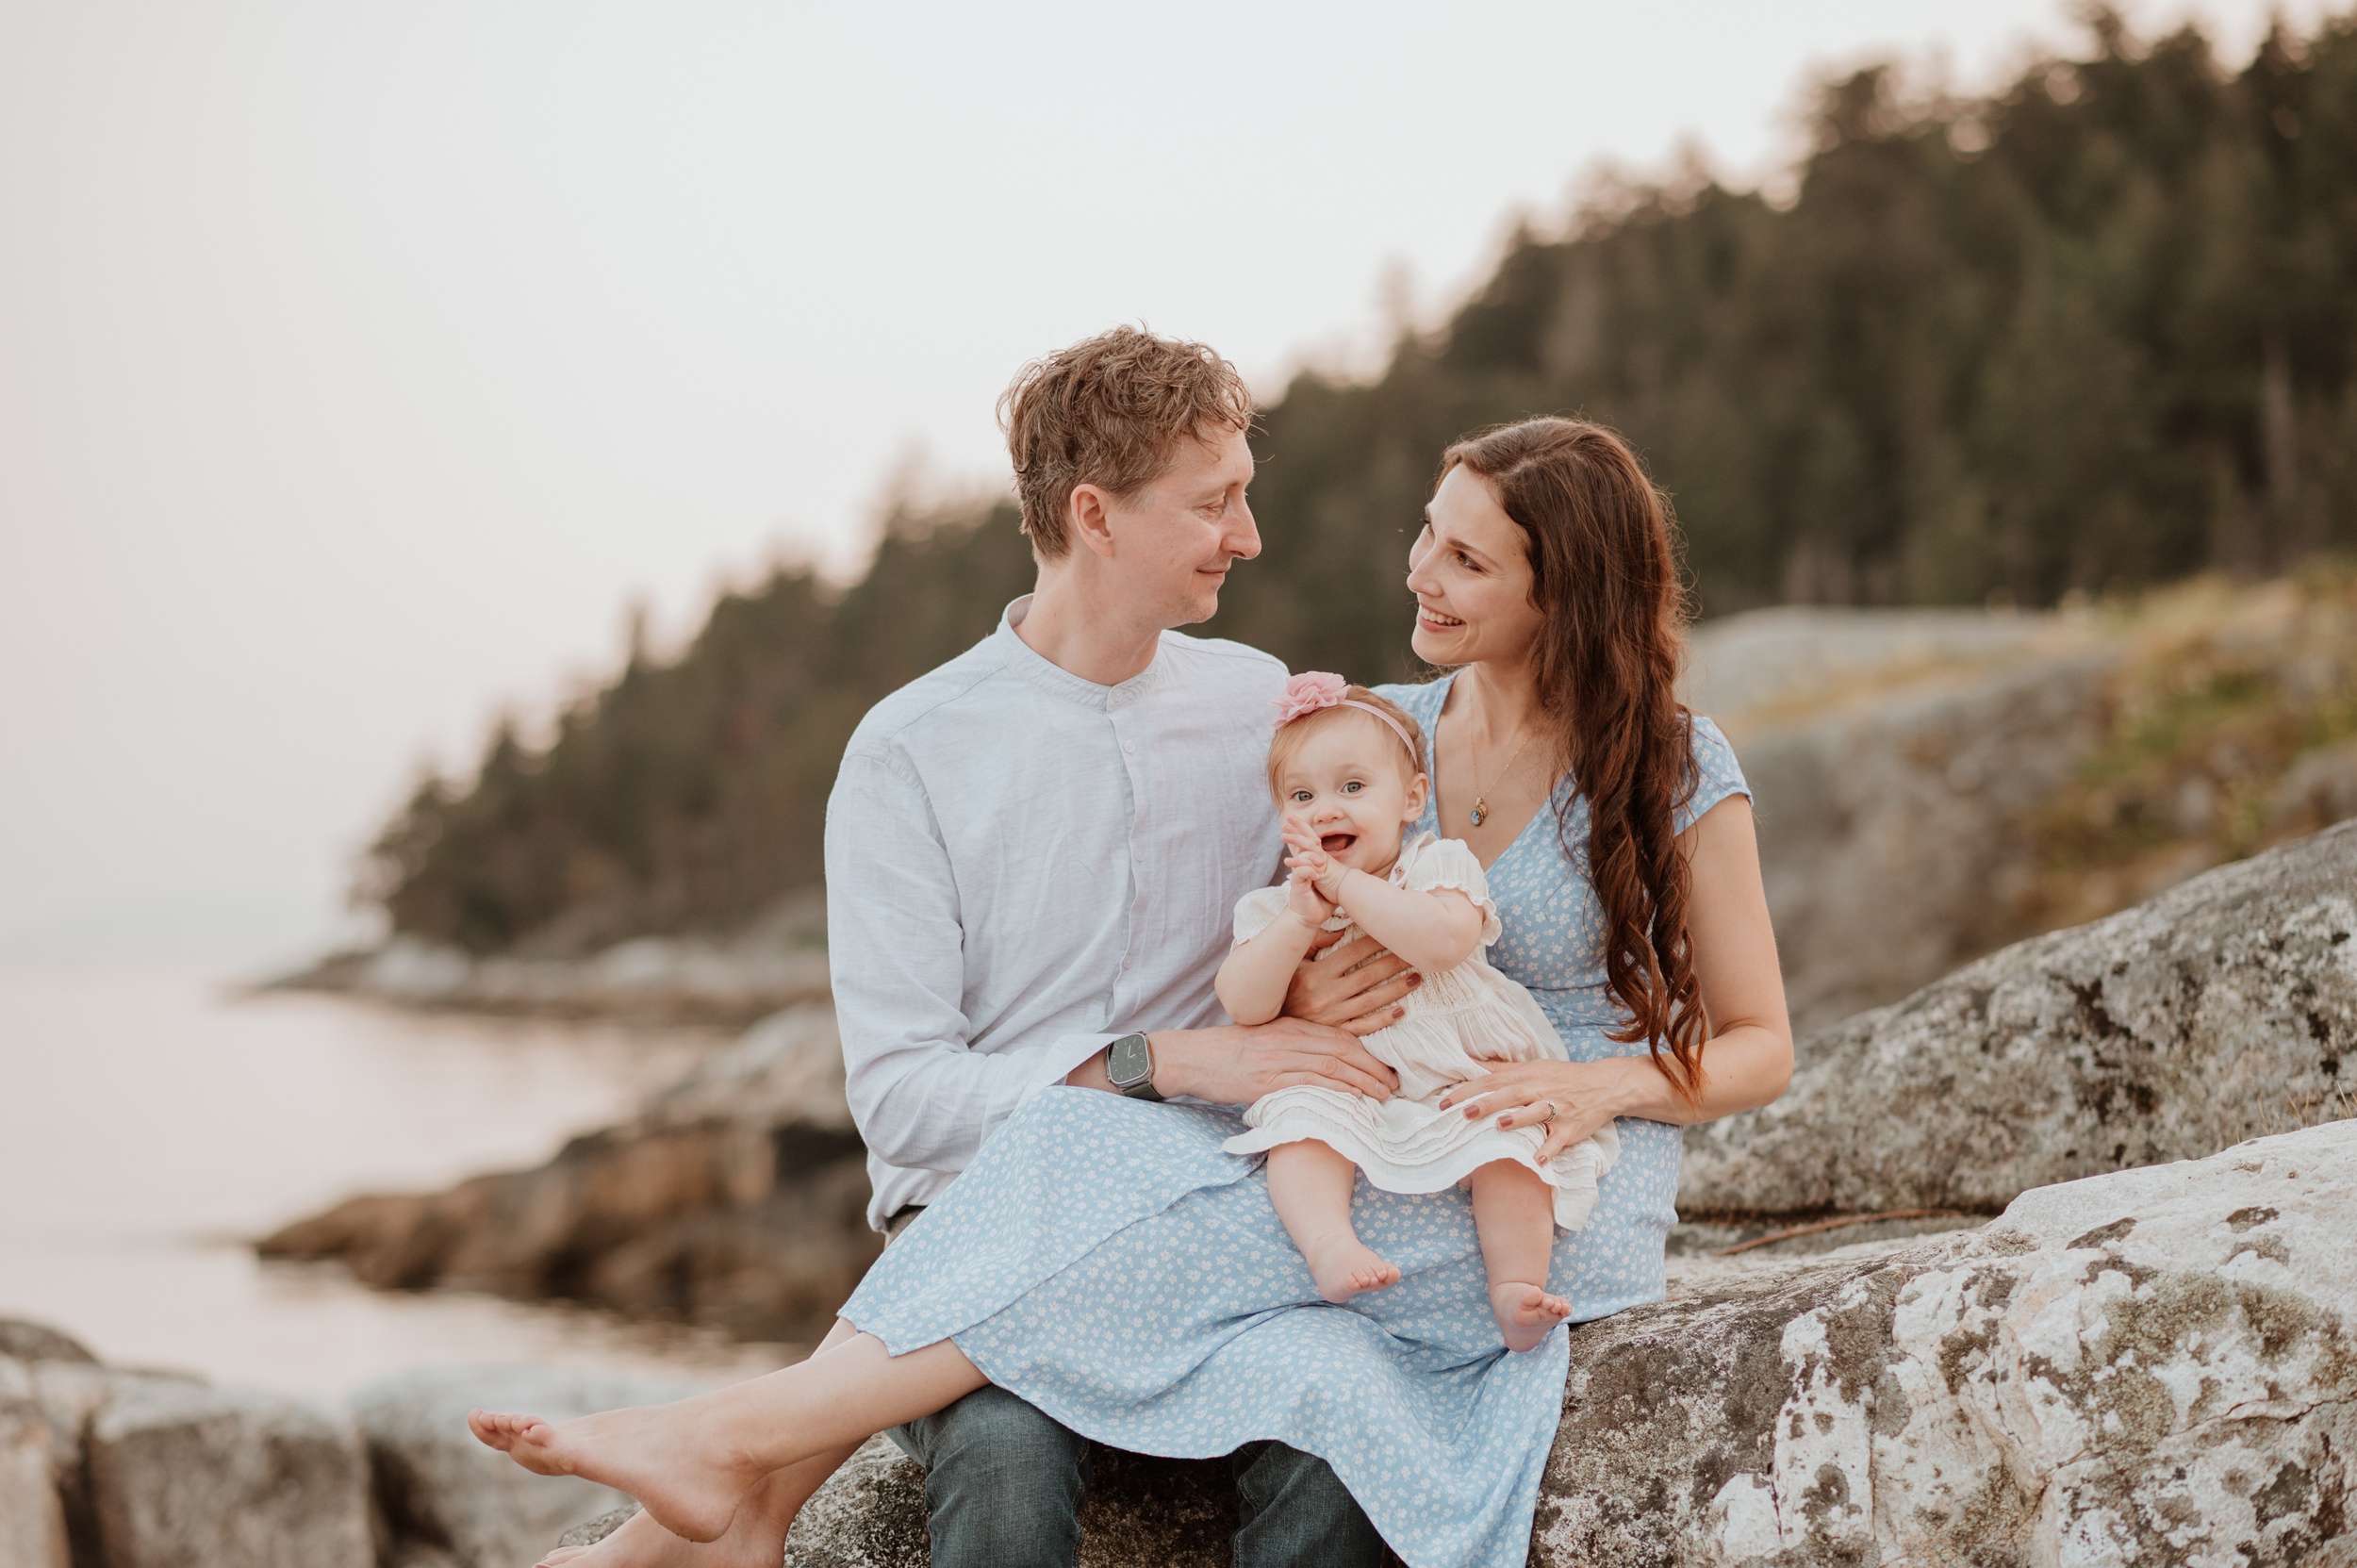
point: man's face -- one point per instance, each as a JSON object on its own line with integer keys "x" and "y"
{"x": 1174, "y": 538}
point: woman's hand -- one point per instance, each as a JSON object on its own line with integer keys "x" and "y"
{"x": 1357, "y": 989}
{"x": 1572, "y": 1099}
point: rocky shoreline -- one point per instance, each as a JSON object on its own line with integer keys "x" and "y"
{"x": 735, "y": 1199}
{"x": 2220, "y": 1010}
{"x": 2148, "y": 1364}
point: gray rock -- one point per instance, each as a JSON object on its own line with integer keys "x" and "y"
{"x": 785, "y": 1069}
{"x": 38, "y": 1342}
{"x": 184, "y": 1476}
{"x": 777, "y": 961}
{"x": 1891, "y": 829}
{"x": 870, "y": 1514}
{"x": 32, "y": 1515}
{"x": 736, "y": 1198}
{"x": 438, "y": 1489}
{"x": 2317, "y": 790}
{"x": 2223, "y": 1009}
{"x": 1790, "y": 655}
{"x": 590, "y": 1531}
{"x": 69, "y": 1393}
{"x": 2157, "y": 1366}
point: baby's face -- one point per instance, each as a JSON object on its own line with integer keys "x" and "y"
{"x": 1351, "y": 785}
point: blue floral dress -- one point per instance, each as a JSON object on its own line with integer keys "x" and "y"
{"x": 1108, "y": 1262}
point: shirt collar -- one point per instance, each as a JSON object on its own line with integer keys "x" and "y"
{"x": 1022, "y": 659}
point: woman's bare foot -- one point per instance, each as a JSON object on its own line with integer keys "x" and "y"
{"x": 1525, "y": 1312}
{"x": 686, "y": 1484}
{"x": 753, "y": 1540}
{"x": 1347, "y": 1266}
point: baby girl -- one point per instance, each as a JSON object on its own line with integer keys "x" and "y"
{"x": 1347, "y": 767}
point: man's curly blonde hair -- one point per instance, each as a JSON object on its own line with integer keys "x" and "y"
{"x": 1109, "y": 410}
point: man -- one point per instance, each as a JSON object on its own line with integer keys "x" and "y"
{"x": 1033, "y": 854}
{"x": 1032, "y": 857}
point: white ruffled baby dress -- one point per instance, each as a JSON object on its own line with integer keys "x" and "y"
{"x": 1456, "y": 1021}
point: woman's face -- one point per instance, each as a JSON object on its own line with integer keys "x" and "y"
{"x": 1470, "y": 571}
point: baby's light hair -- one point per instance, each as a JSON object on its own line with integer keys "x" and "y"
{"x": 1290, "y": 737}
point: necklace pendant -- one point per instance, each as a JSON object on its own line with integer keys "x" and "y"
{"x": 1480, "y": 811}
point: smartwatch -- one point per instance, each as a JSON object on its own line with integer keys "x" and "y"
{"x": 1129, "y": 1063}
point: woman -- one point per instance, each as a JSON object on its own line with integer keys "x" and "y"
{"x": 1105, "y": 1260}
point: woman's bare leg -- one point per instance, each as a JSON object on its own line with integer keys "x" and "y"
{"x": 755, "y": 1538}
{"x": 1514, "y": 1213}
{"x": 691, "y": 1463}
{"x": 1309, "y": 1183}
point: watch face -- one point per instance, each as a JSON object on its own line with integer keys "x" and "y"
{"x": 1127, "y": 1062}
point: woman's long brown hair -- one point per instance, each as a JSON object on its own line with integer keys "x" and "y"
{"x": 1606, "y": 665}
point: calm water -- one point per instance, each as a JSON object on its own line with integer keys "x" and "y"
{"x": 150, "y": 1126}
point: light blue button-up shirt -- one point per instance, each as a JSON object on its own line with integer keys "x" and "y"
{"x": 1023, "y": 866}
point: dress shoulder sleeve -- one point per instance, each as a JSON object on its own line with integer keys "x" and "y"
{"x": 1256, "y": 909}
{"x": 1716, "y": 774}
{"x": 1447, "y": 863}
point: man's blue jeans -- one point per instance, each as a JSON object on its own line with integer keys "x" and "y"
{"x": 1003, "y": 1485}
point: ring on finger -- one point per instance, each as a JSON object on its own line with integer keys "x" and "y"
{"x": 1548, "y": 1120}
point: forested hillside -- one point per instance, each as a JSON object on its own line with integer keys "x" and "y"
{"x": 2094, "y": 333}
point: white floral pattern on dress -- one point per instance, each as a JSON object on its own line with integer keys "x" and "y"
{"x": 1103, "y": 1259}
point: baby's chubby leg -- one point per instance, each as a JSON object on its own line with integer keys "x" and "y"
{"x": 1514, "y": 1212}
{"x": 1309, "y": 1182}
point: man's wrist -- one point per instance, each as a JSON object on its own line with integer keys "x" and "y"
{"x": 1177, "y": 1054}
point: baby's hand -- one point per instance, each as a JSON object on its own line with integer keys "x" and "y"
{"x": 1309, "y": 860}
{"x": 1303, "y": 897}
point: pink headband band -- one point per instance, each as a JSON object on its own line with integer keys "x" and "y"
{"x": 1315, "y": 691}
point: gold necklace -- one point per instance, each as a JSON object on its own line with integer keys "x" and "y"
{"x": 1481, "y": 798}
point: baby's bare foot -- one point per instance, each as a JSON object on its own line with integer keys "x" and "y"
{"x": 688, "y": 1486}
{"x": 1525, "y": 1312}
{"x": 1347, "y": 1268}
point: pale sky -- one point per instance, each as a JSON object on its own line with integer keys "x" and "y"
{"x": 360, "y": 364}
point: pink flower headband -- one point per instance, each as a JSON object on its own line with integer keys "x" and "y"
{"x": 1315, "y": 691}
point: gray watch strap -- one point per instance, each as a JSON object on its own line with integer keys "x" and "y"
{"x": 1129, "y": 1063}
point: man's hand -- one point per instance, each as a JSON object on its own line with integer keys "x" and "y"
{"x": 1356, "y": 989}
{"x": 1235, "y": 1065}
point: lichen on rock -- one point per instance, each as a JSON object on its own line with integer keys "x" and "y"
{"x": 2224, "y": 1009}
{"x": 2152, "y": 1366}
